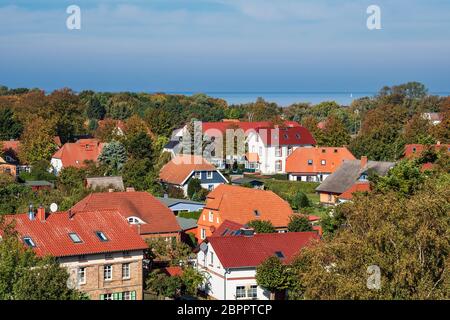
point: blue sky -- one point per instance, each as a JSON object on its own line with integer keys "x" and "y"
{"x": 224, "y": 45}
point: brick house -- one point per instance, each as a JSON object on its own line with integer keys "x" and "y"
{"x": 150, "y": 217}
{"x": 101, "y": 251}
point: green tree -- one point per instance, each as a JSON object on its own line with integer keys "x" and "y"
{"x": 335, "y": 133}
{"x": 299, "y": 224}
{"x": 194, "y": 186}
{"x": 192, "y": 279}
{"x": 10, "y": 127}
{"x": 272, "y": 276}
{"x": 139, "y": 146}
{"x": 94, "y": 108}
{"x": 300, "y": 200}
{"x": 406, "y": 236}
{"x": 113, "y": 156}
{"x": 262, "y": 226}
{"x": 37, "y": 142}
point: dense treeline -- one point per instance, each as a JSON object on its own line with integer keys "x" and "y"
{"x": 378, "y": 127}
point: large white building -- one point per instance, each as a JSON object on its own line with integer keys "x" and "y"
{"x": 269, "y": 148}
{"x": 229, "y": 260}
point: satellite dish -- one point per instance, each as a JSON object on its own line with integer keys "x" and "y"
{"x": 203, "y": 247}
{"x": 53, "y": 207}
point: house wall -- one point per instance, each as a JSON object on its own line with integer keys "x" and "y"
{"x": 95, "y": 284}
{"x": 56, "y": 165}
{"x": 325, "y": 198}
{"x": 313, "y": 177}
{"x": 267, "y": 154}
{"x": 221, "y": 283}
{"x": 9, "y": 169}
{"x": 208, "y": 184}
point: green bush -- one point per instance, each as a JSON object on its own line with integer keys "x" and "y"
{"x": 190, "y": 215}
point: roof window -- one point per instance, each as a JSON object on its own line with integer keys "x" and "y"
{"x": 279, "y": 254}
{"x": 75, "y": 238}
{"x": 101, "y": 236}
{"x": 29, "y": 242}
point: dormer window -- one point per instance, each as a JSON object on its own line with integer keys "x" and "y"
{"x": 297, "y": 135}
{"x": 75, "y": 238}
{"x": 209, "y": 175}
{"x": 323, "y": 162}
{"x": 310, "y": 162}
{"x": 414, "y": 150}
{"x": 101, "y": 236}
{"x": 198, "y": 175}
{"x": 279, "y": 254}
{"x": 324, "y": 151}
{"x": 256, "y": 212}
{"x": 29, "y": 242}
{"x": 286, "y": 136}
{"x": 134, "y": 220}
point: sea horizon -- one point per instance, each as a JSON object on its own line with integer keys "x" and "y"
{"x": 285, "y": 99}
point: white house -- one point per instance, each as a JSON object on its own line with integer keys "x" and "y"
{"x": 229, "y": 260}
{"x": 270, "y": 147}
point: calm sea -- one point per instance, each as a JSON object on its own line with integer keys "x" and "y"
{"x": 287, "y": 98}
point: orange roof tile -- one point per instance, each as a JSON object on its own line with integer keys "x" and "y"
{"x": 179, "y": 168}
{"x": 51, "y": 236}
{"x": 297, "y": 162}
{"x": 238, "y": 204}
{"x": 75, "y": 154}
{"x": 157, "y": 217}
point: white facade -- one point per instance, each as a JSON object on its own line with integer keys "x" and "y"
{"x": 56, "y": 165}
{"x": 228, "y": 284}
{"x": 319, "y": 177}
{"x": 272, "y": 159}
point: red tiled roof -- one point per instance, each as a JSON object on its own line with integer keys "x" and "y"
{"x": 357, "y": 187}
{"x": 238, "y": 204}
{"x": 173, "y": 271}
{"x": 75, "y": 154}
{"x": 245, "y": 126}
{"x": 415, "y": 150}
{"x": 427, "y": 166}
{"x": 52, "y": 235}
{"x": 242, "y": 251}
{"x": 286, "y": 136}
{"x": 158, "y": 218}
{"x": 297, "y": 162}
{"x": 180, "y": 167}
{"x": 11, "y": 145}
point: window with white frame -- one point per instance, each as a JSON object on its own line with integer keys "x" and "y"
{"x": 278, "y": 165}
{"x": 126, "y": 271}
{"x": 278, "y": 151}
{"x": 240, "y": 292}
{"x": 211, "y": 216}
{"x": 323, "y": 162}
{"x": 107, "y": 272}
{"x": 310, "y": 162}
{"x": 198, "y": 175}
{"x": 209, "y": 175}
{"x": 211, "y": 258}
{"x": 81, "y": 275}
{"x": 106, "y": 296}
{"x": 252, "y": 291}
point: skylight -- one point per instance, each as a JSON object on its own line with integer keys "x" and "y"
{"x": 101, "y": 236}
{"x": 279, "y": 254}
{"x": 75, "y": 238}
{"x": 29, "y": 242}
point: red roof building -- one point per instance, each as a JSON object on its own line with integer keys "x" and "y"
{"x": 415, "y": 150}
{"x": 251, "y": 251}
{"x": 209, "y": 127}
{"x": 51, "y": 233}
{"x": 103, "y": 254}
{"x": 76, "y": 154}
{"x": 242, "y": 205}
{"x": 151, "y": 217}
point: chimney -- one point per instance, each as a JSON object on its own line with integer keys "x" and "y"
{"x": 438, "y": 143}
{"x": 130, "y": 189}
{"x": 363, "y": 161}
{"x": 41, "y": 213}
{"x": 70, "y": 214}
